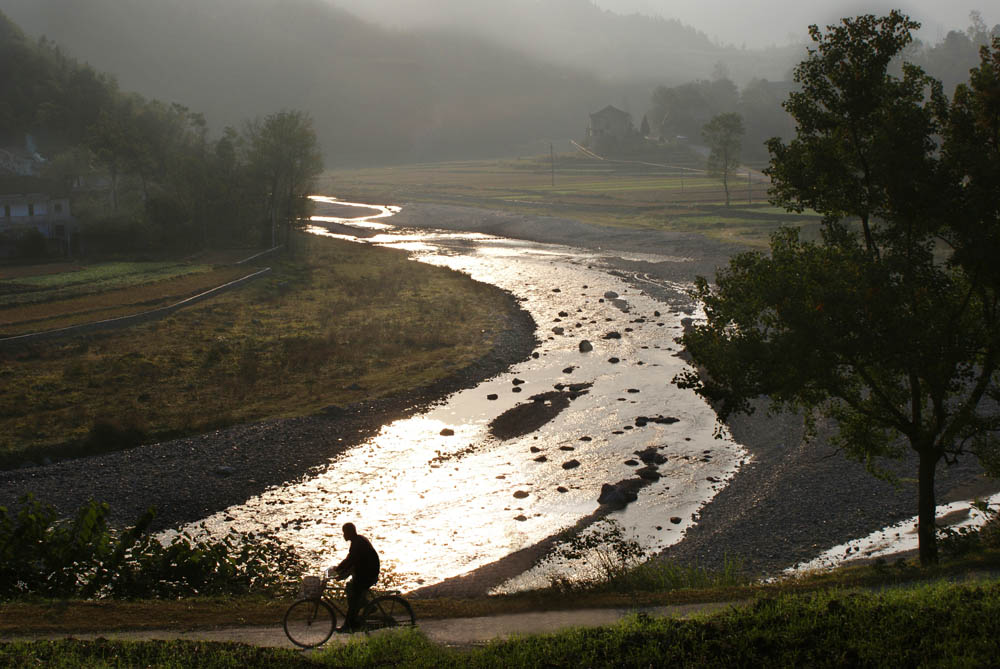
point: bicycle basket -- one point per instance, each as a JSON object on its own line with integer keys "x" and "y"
{"x": 310, "y": 587}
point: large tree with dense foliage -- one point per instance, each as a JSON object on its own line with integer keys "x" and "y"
{"x": 889, "y": 326}
{"x": 285, "y": 158}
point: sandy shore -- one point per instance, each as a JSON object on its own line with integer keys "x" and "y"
{"x": 793, "y": 501}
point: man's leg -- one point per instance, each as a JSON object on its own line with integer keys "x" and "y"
{"x": 355, "y": 598}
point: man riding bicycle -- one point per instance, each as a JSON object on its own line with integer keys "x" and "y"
{"x": 362, "y": 564}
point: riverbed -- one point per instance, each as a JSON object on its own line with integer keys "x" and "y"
{"x": 440, "y": 496}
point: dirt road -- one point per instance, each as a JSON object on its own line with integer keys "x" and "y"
{"x": 450, "y": 632}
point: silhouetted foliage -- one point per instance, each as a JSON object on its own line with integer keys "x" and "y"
{"x": 889, "y": 326}
{"x": 43, "y": 555}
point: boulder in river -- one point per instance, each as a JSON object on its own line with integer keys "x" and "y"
{"x": 586, "y": 346}
{"x": 571, "y": 464}
{"x": 610, "y": 295}
{"x": 649, "y": 473}
{"x": 651, "y": 456}
{"x": 612, "y": 335}
{"x": 618, "y": 495}
{"x": 447, "y": 432}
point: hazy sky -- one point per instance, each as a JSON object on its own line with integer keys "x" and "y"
{"x": 765, "y": 22}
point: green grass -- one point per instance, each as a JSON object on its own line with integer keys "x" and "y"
{"x": 91, "y": 279}
{"x": 334, "y": 323}
{"x": 104, "y": 654}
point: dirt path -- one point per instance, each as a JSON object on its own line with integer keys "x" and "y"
{"x": 449, "y": 632}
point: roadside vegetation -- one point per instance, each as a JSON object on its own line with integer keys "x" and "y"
{"x": 334, "y": 323}
{"x": 934, "y": 625}
{"x": 867, "y": 615}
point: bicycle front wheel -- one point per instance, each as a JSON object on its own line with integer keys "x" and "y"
{"x": 388, "y": 611}
{"x": 309, "y": 622}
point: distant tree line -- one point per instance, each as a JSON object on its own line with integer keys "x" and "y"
{"x": 146, "y": 176}
{"x": 683, "y": 110}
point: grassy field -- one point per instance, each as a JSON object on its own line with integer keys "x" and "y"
{"x": 672, "y": 194}
{"x": 334, "y": 323}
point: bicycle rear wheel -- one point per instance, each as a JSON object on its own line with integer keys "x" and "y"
{"x": 388, "y": 611}
{"x": 309, "y": 622}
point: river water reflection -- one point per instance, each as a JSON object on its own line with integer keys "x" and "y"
{"x": 438, "y": 506}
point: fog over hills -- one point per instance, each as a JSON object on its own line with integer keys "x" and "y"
{"x": 375, "y": 94}
{"x": 398, "y": 80}
{"x": 579, "y": 33}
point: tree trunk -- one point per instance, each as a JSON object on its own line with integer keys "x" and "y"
{"x": 927, "y": 508}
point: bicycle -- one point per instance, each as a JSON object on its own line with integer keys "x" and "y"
{"x": 312, "y": 618}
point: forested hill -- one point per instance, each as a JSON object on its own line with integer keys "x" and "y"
{"x": 46, "y": 93}
{"x": 148, "y": 177}
{"x": 374, "y": 94}
{"x": 578, "y": 33}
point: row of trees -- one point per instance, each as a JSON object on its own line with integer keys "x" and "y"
{"x": 889, "y": 327}
{"x": 146, "y": 175}
{"x": 170, "y": 186}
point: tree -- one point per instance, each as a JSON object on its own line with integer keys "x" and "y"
{"x": 285, "y": 157}
{"x": 889, "y": 326}
{"x": 724, "y": 136}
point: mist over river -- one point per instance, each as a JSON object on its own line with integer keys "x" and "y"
{"x": 439, "y": 496}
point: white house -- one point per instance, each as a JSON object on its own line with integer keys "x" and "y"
{"x": 30, "y": 202}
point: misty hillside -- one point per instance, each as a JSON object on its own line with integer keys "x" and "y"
{"x": 375, "y": 94}
{"x": 578, "y": 33}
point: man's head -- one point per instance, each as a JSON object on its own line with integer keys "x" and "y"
{"x": 349, "y": 531}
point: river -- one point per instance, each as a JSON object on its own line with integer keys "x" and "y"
{"x": 439, "y": 505}
{"x": 440, "y": 497}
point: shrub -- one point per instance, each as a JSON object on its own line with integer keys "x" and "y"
{"x": 43, "y": 555}
{"x": 617, "y": 563}
{"x": 108, "y": 435}
{"x": 31, "y": 245}
{"x": 964, "y": 540}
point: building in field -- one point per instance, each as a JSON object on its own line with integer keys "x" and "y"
{"x": 611, "y": 124}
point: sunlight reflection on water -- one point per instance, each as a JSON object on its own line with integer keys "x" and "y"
{"x": 438, "y": 506}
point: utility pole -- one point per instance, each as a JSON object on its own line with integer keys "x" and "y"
{"x": 552, "y": 162}
{"x": 749, "y": 189}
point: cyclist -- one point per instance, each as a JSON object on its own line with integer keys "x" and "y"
{"x": 362, "y": 564}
